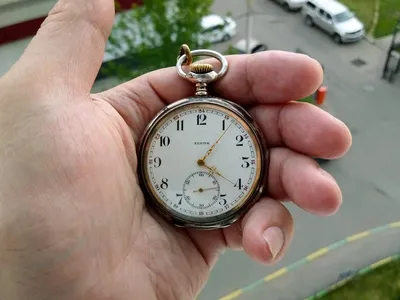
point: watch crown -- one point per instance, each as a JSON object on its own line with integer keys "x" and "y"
{"x": 201, "y": 68}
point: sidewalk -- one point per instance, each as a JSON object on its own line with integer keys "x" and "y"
{"x": 324, "y": 267}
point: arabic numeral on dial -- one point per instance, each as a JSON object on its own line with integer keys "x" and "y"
{"x": 164, "y": 183}
{"x": 201, "y": 119}
{"x": 239, "y": 139}
{"x": 180, "y": 197}
{"x": 223, "y": 124}
{"x": 245, "y": 163}
{"x": 157, "y": 162}
{"x": 222, "y": 200}
{"x": 179, "y": 125}
{"x": 165, "y": 141}
{"x": 238, "y": 184}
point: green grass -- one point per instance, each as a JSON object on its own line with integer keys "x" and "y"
{"x": 364, "y": 10}
{"x": 382, "y": 283}
{"x": 389, "y": 13}
{"x": 309, "y": 99}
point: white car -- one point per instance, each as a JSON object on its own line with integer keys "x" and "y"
{"x": 217, "y": 29}
{"x": 291, "y": 5}
{"x": 214, "y": 28}
{"x": 255, "y": 46}
{"x": 335, "y": 19}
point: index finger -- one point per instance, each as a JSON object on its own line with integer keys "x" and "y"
{"x": 265, "y": 77}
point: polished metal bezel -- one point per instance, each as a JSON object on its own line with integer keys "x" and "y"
{"x": 230, "y": 216}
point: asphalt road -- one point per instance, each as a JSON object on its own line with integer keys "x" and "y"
{"x": 328, "y": 269}
{"x": 368, "y": 174}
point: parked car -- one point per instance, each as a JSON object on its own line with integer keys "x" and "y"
{"x": 291, "y": 5}
{"x": 255, "y": 46}
{"x": 217, "y": 29}
{"x": 335, "y": 19}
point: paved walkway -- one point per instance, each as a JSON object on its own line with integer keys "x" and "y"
{"x": 324, "y": 267}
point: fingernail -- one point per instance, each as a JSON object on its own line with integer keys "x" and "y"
{"x": 275, "y": 239}
{"x": 327, "y": 175}
{"x": 339, "y": 192}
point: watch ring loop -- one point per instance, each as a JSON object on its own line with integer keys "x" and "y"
{"x": 204, "y": 52}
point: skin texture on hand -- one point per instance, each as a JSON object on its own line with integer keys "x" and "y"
{"x": 73, "y": 221}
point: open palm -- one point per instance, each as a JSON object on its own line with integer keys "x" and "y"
{"x": 73, "y": 220}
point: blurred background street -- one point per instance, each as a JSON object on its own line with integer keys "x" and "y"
{"x": 368, "y": 175}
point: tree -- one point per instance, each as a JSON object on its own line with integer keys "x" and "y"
{"x": 149, "y": 36}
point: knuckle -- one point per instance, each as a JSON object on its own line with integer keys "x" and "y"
{"x": 96, "y": 15}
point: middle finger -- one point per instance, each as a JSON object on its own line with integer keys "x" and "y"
{"x": 304, "y": 128}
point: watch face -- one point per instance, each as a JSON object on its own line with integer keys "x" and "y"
{"x": 202, "y": 161}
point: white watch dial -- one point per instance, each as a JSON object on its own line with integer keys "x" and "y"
{"x": 190, "y": 176}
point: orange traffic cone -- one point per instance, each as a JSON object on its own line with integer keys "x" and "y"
{"x": 320, "y": 95}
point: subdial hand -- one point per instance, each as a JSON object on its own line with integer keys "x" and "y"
{"x": 200, "y": 190}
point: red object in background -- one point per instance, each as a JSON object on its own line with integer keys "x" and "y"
{"x": 30, "y": 27}
{"x": 127, "y": 4}
{"x": 320, "y": 95}
{"x": 19, "y": 31}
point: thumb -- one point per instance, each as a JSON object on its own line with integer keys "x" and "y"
{"x": 68, "y": 49}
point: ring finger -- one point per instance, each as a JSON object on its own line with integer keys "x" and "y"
{"x": 299, "y": 178}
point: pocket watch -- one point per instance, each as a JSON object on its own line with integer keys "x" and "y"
{"x": 202, "y": 160}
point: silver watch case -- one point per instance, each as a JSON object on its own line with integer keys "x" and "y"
{"x": 207, "y": 223}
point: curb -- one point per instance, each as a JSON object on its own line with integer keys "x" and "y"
{"x": 370, "y": 39}
{"x": 375, "y": 20}
{"x": 313, "y": 256}
{"x": 363, "y": 271}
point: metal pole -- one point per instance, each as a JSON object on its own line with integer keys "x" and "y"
{"x": 249, "y": 23}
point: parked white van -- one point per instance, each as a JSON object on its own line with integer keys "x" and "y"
{"x": 335, "y": 19}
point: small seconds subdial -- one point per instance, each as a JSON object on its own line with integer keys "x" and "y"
{"x": 201, "y": 190}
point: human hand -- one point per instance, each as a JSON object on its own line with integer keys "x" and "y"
{"x": 73, "y": 222}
